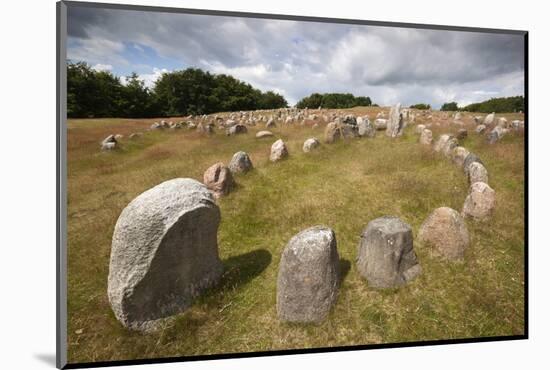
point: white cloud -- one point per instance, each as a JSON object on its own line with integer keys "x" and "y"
{"x": 102, "y": 67}
{"x": 149, "y": 79}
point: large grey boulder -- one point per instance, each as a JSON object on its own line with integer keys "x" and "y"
{"x": 489, "y": 119}
{"x": 333, "y": 132}
{"x": 396, "y": 122}
{"x": 477, "y": 173}
{"x": 385, "y": 255}
{"x": 458, "y": 155}
{"x": 445, "y": 231}
{"x": 240, "y": 163}
{"x": 480, "y": 202}
{"x": 309, "y": 274}
{"x": 449, "y": 146}
{"x": 236, "y": 130}
{"x": 310, "y": 144}
{"x": 164, "y": 253}
{"x": 441, "y": 141}
{"x": 470, "y": 158}
{"x": 365, "y": 128}
{"x": 109, "y": 143}
{"x": 380, "y": 123}
{"x": 278, "y": 151}
{"x": 426, "y": 137}
{"x": 218, "y": 179}
{"x": 262, "y": 134}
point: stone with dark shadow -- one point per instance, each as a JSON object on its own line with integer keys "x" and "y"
{"x": 164, "y": 253}
{"x": 309, "y": 276}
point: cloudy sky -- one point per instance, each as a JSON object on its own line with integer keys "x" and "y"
{"x": 296, "y": 59}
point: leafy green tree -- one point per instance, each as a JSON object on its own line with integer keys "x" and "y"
{"x": 421, "y": 106}
{"x": 498, "y": 105}
{"x": 333, "y": 101}
{"x": 137, "y": 100}
{"x": 452, "y": 106}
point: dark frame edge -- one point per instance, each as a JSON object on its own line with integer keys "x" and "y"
{"x": 61, "y": 191}
{"x": 289, "y": 17}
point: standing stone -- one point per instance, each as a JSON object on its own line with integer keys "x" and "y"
{"x": 477, "y": 173}
{"x": 489, "y": 119}
{"x": 440, "y": 143}
{"x": 462, "y": 134}
{"x": 236, "y": 130}
{"x": 332, "y": 132}
{"x": 480, "y": 129}
{"x": 278, "y": 151}
{"x": 380, "y": 124}
{"x": 470, "y": 158}
{"x": 309, "y": 274}
{"x": 480, "y": 202}
{"x": 240, "y": 163}
{"x": 218, "y": 178}
{"x": 365, "y": 128}
{"x": 109, "y": 143}
{"x": 386, "y": 257}
{"x": 396, "y": 122}
{"x": 458, "y": 155}
{"x": 419, "y": 129}
{"x": 270, "y": 123}
{"x": 164, "y": 253}
{"x": 446, "y": 231}
{"x": 426, "y": 137}
{"x": 262, "y": 134}
{"x": 449, "y": 146}
{"x": 310, "y": 144}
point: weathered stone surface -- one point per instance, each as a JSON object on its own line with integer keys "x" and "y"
{"x": 480, "y": 202}
{"x": 240, "y": 163}
{"x": 350, "y": 119}
{"x": 278, "y": 151}
{"x": 332, "y": 132}
{"x": 489, "y": 119}
{"x": 365, "y": 128}
{"x": 236, "y": 129}
{"x": 271, "y": 123}
{"x": 218, "y": 178}
{"x": 309, "y": 275}
{"x": 426, "y": 137}
{"x": 462, "y": 134}
{"x": 380, "y": 124}
{"x": 449, "y": 146}
{"x": 385, "y": 255}
{"x": 349, "y": 131}
{"x": 458, "y": 155}
{"x": 480, "y": 129}
{"x": 109, "y": 143}
{"x": 310, "y": 144}
{"x": 470, "y": 158}
{"x": 441, "y": 141}
{"x": 419, "y": 128}
{"x": 262, "y": 134}
{"x": 164, "y": 253}
{"x": 477, "y": 173}
{"x": 207, "y": 128}
{"x": 446, "y": 231}
{"x": 396, "y": 122}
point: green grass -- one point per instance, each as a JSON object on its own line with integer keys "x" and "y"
{"x": 344, "y": 186}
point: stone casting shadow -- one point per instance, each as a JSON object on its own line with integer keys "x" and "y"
{"x": 239, "y": 270}
{"x": 345, "y": 266}
{"x": 46, "y": 358}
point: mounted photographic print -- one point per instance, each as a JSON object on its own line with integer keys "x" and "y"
{"x": 237, "y": 184}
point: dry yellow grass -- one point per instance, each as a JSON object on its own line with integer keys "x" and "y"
{"x": 344, "y": 186}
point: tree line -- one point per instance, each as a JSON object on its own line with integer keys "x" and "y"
{"x": 497, "y": 105}
{"x": 333, "y": 101}
{"x": 92, "y": 93}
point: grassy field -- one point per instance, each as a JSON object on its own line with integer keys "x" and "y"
{"x": 344, "y": 186}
